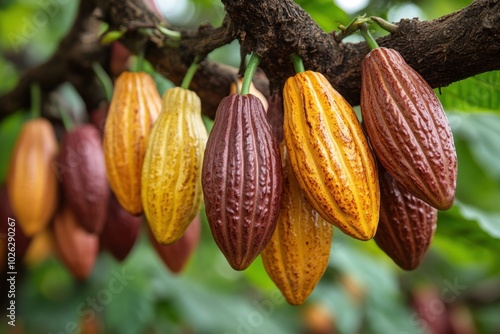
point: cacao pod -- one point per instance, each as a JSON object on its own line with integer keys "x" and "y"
{"x": 176, "y": 255}
{"x": 41, "y": 247}
{"x": 236, "y": 88}
{"x": 275, "y": 116}
{"x": 9, "y": 229}
{"x": 297, "y": 254}
{"x": 31, "y": 181}
{"x": 330, "y": 155}
{"x": 76, "y": 247}
{"x": 120, "y": 230}
{"x": 82, "y": 173}
{"x": 407, "y": 224}
{"x": 242, "y": 179}
{"x": 171, "y": 174}
{"x": 408, "y": 128}
{"x": 134, "y": 108}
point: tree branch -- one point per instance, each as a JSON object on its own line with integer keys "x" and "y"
{"x": 71, "y": 62}
{"x": 445, "y": 50}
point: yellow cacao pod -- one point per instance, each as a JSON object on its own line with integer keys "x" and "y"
{"x": 31, "y": 179}
{"x": 297, "y": 255}
{"x": 171, "y": 175}
{"x": 133, "y": 110}
{"x": 330, "y": 155}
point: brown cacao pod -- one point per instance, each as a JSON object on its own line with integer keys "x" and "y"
{"x": 407, "y": 224}
{"x": 171, "y": 175}
{"x": 120, "y": 230}
{"x": 176, "y": 255}
{"x": 242, "y": 179}
{"x": 31, "y": 180}
{"x": 76, "y": 247}
{"x": 297, "y": 254}
{"x": 275, "y": 116}
{"x": 236, "y": 88}
{"x": 408, "y": 128}
{"x": 82, "y": 173}
{"x": 330, "y": 155}
{"x": 134, "y": 108}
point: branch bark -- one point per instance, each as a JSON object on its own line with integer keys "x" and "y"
{"x": 445, "y": 50}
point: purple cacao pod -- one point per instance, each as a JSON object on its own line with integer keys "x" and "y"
{"x": 82, "y": 172}
{"x": 408, "y": 128}
{"x": 242, "y": 179}
{"x": 120, "y": 230}
{"x": 407, "y": 224}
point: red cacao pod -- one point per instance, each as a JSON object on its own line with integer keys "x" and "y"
{"x": 82, "y": 172}
{"x": 408, "y": 128}
{"x": 176, "y": 255}
{"x": 120, "y": 230}
{"x": 242, "y": 179}
{"x": 407, "y": 224}
{"x": 76, "y": 247}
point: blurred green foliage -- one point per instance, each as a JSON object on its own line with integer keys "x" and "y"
{"x": 362, "y": 290}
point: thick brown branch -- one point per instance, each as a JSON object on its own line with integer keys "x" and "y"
{"x": 444, "y": 50}
{"x": 72, "y": 62}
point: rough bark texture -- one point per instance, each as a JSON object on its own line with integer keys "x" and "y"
{"x": 445, "y": 50}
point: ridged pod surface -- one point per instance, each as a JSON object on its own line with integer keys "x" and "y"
{"x": 31, "y": 180}
{"x": 76, "y": 247}
{"x": 408, "y": 128}
{"x": 175, "y": 256}
{"x": 297, "y": 255}
{"x": 133, "y": 110}
{"x": 120, "y": 230}
{"x": 82, "y": 172}
{"x": 242, "y": 179}
{"x": 407, "y": 224}
{"x": 171, "y": 174}
{"x": 330, "y": 155}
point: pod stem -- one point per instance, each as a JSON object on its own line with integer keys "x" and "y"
{"x": 252, "y": 65}
{"x": 139, "y": 61}
{"x": 298, "y": 64}
{"x": 191, "y": 72}
{"x": 372, "y": 43}
{"x": 105, "y": 80}
{"x": 67, "y": 121}
{"x": 386, "y": 25}
{"x": 36, "y": 100}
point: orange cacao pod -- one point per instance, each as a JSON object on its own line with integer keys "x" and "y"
{"x": 76, "y": 247}
{"x": 330, "y": 155}
{"x": 408, "y": 128}
{"x": 31, "y": 180}
{"x": 241, "y": 179}
{"x": 407, "y": 224}
{"x": 297, "y": 254}
{"x": 134, "y": 108}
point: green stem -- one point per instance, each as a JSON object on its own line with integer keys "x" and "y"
{"x": 191, "y": 72}
{"x": 171, "y": 34}
{"x": 386, "y": 25}
{"x": 67, "y": 121}
{"x": 105, "y": 80}
{"x": 36, "y": 100}
{"x": 298, "y": 64}
{"x": 139, "y": 61}
{"x": 249, "y": 72}
{"x": 372, "y": 43}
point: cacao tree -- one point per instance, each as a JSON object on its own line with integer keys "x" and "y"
{"x": 432, "y": 271}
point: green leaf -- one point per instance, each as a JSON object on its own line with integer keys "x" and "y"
{"x": 489, "y": 221}
{"x": 326, "y": 13}
{"x": 478, "y": 93}
{"x": 481, "y": 131}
